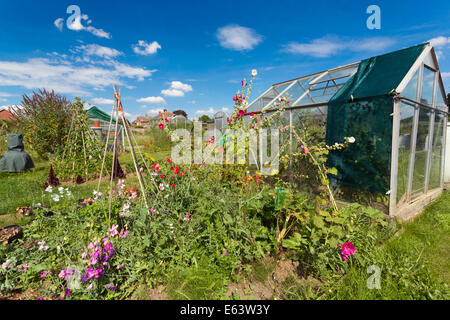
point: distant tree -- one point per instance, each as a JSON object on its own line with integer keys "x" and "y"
{"x": 204, "y": 118}
{"x": 44, "y": 121}
{"x": 180, "y": 112}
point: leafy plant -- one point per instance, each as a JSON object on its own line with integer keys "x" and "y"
{"x": 44, "y": 120}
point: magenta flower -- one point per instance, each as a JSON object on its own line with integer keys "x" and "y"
{"x": 186, "y": 217}
{"x": 348, "y": 249}
{"x": 304, "y": 149}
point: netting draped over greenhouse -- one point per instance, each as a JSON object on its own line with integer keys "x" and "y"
{"x": 362, "y": 109}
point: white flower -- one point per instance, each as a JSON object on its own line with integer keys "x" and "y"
{"x": 254, "y": 73}
{"x": 61, "y": 189}
{"x": 49, "y": 189}
{"x": 55, "y": 197}
{"x": 161, "y": 187}
{"x": 94, "y": 192}
{"x": 351, "y": 139}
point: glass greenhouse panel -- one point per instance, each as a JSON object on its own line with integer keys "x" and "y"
{"x": 427, "y": 86}
{"x": 440, "y": 104}
{"x": 411, "y": 89}
{"x": 404, "y": 149}
{"x": 418, "y": 182}
{"x": 436, "y": 152}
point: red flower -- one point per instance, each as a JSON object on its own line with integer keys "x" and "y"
{"x": 161, "y": 126}
{"x": 252, "y": 114}
{"x": 173, "y": 185}
{"x": 167, "y": 120}
{"x": 162, "y": 176}
{"x": 256, "y": 179}
{"x": 171, "y": 177}
{"x": 169, "y": 159}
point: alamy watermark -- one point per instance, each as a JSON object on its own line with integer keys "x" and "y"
{"x": 255, "y": 147}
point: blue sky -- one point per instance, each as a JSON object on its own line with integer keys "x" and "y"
{"x": 192, "y": 55}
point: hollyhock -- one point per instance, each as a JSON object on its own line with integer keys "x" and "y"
{"x": 161, "y": 126}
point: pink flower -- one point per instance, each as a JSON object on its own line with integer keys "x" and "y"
{"x": 120, "y": 184}
{"x": 120, "y": 266}
{"x": 141, "y": 170}
{"x": 304, "y": 149}
{"x": 24, "y": 267}
{"x": 186, "y": 217}
{"x": 133, "y": 195}
{"x": 123, "y": 233}
{"x": 348, "y": 249}
{"x": 113, "y": 231}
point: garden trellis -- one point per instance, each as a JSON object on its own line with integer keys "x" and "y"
{"x": 82, "y": 150}
{"x": 394, "y": 105}
{"x": 118, "y": 112}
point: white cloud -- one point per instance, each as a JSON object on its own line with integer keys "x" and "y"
{"x": 439, "y": 41}
{"x": 102, "y": 101}
{"x": 328, "y": 46}
{"x": 211, "y": 111}
{"x": 64, "y": 76}
{"x": 154, "y": 111}
{"x": 152, "y": 100}
{"x": 97, "y": 50}
{"x": 238, "y": 38}
{"x": 11, "y": 107}
{"x": 178, "y": 85}
{"x": 144, "y": 48}
{"x": 177, "y": 89}
{"x": 172, "y": 93}
{"x": 59, "y": 23}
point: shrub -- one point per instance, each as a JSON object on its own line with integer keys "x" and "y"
{"x": 44, "y": 120}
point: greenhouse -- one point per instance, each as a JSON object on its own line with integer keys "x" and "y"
{"x": 395, "y": 107}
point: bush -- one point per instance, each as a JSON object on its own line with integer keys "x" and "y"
{"x": 44, "y": 120}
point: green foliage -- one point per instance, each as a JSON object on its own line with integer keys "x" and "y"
{"x": 44, "y": 121}
{"x": 204, "y": 118}
{"x": 82, "y": 154}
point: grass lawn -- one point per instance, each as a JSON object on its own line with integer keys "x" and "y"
{"x": 26, "y": 189}
{"x": 412, "y": 262}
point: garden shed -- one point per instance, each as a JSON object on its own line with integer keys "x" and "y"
{"x": 394, "y": 105}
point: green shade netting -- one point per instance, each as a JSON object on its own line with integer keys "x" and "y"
{"x": 96, "y": 113}
{"x": 362, "y": 109}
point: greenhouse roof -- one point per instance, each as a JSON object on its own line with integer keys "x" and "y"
{"x": 96, "y": 113}
{"x": 375, "y": 76}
